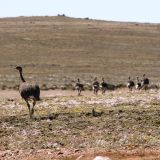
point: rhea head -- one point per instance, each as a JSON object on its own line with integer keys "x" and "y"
{"x": 19, "y": 68}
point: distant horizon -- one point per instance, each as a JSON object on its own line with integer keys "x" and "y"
{"x": 89, "y": 18}
{"x": 143, "y": 11}
{"x": 81, "y": 18}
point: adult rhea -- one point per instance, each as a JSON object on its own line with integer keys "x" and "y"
{"x": 28, "y": 92}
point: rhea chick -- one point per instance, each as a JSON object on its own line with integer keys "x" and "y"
{"x": 130, "y": 84}
{"x": 145, "y": 82}
{"x": 95, "y": 86}
{"x": 79, "y": 87}
{"x": 104, "y": 86}
{"x": 138, "y": 84}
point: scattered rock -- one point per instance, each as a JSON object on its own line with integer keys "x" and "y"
{"x": 60, "y": 153}
{"x": 101, "y": 158}
{"x": 77, "y": 150}
{"x": 80, "y": 157}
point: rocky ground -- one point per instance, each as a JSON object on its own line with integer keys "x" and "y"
{"x": 121, "y": 125}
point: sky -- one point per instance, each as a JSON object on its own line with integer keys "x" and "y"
{"x": 112, "y": 10}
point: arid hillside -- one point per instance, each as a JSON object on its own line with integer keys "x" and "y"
{"x": 57, "y": 50}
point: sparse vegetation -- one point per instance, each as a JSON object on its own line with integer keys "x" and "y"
{"x": 56, "y": 51}
{"x": 119, "y": 120}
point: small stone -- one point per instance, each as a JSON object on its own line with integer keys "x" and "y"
{"x": 101, "y": 158}
{"x": 60, "y": 153}
{"x": 77, "y": 150}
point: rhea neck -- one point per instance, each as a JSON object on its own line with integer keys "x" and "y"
{"x": 21, "y": 76}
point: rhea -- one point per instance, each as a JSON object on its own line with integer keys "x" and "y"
{"x": 28, "y": 92}
{"x": 79, "y": 87}
{"x": 95, "y": 86}
{"x": 138, "y": 84}
{"x": 145, "y": 82}
{"x": 104, "y": 86}
{"x": 130, "y": 84}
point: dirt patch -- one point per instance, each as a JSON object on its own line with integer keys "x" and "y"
{"x": 119, "y": 124}
{"x": 48, "y": 154}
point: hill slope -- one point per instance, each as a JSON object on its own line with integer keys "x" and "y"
{"x": 57, "y": 50}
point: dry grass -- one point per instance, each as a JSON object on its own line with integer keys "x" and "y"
{"x": 54, "y": 51}
{"x": 66, "y": 125}
{"x": 57, "y": 50}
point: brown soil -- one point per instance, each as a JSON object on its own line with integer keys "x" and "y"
{"x": 48, "y": 154}
{"x": 7, "y": 94}
{"x": 77, "y": 154}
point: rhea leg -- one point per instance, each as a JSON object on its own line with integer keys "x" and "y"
{"x": 96, "y": 91}
{"x": 79, "y": 92}
{"x": 103, "y": 90}
{"x": 32, "y": 110}
{"x": 28, "y": 105}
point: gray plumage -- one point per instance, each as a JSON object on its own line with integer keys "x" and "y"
{"x": 130, "y": 83}
{"x": 28, "y": 92}
{"x": 95, "y": 86}
{"x": 145, "y": 82}
{"x": 138, "y": 84}
{"x": 104, "y": 86}
{"x": 79, "y": 87}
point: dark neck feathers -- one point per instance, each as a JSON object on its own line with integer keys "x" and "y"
{"x": 21, "y": 76}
